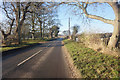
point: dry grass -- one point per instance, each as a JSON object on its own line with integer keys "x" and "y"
{"x": 97, "y": 43}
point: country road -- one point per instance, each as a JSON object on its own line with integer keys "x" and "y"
{"x": 41, "y": 61}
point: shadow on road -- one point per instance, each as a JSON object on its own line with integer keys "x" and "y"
{"x": 25, "y": 50}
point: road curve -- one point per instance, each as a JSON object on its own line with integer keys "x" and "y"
{"x": 42, "y": 61}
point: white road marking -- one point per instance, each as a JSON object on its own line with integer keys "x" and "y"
{"x": 48, "y": 45}
{"x": 28, "y": 58}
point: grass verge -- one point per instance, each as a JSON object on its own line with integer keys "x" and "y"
{"x": 24, "y": 43}
{"x": 90, "y": 63}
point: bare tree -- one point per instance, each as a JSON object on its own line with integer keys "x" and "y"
{"x": 66, "y": 32}
{"x": 9, "y": 15}
{"x": 5, "y": 35}
{"x": 18, "y": 10}
{"x": 75, "y": 31}
{"x": 25, "y": 30}
{"x": 45, "y": 15}
{"x": 113, "y": 42}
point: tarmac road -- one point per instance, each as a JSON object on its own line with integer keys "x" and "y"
{"x": 41, "y": 61}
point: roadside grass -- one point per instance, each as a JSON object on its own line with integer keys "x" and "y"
{"x": 24, "y": 43}
{"x": 90, "y": 63}
{"x": 14, "y": 46}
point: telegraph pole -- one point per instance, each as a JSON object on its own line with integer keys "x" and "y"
{"x": 69, "y": 28}
{"x": 19, "y": 37}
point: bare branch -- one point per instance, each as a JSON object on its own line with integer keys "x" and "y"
{"x": 13, "y": 7}
{"x": 94, "y": 16}
{"x": 94, "y": 2}
{"x": 24, "y": 12}
{"x": 6, "y": 11}
{"x": 98, "y": 17}
{"x": 11, "y": 26}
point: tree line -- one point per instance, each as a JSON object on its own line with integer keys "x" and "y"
{"x": 28, "y": 20}
{"x": 43, "y": 14}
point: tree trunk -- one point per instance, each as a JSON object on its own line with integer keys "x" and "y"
{"x": 18, "y": 23}
{"x": 51, "y": 35}
{"x": 40, "y": 29}
{"x": 33, "y": 32}
{"x": 24, "y": 35}
{"x": 4, "y": 36}
{"x": 20, "y": 19}
{"x": 33, "y": 27}
{"x": 33, "y": 36}
{"x": 114, "y": 39}
{"x": 113, "y": 42}
{"x": 43, "y": 33}
{"x": 43, "y": 29}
